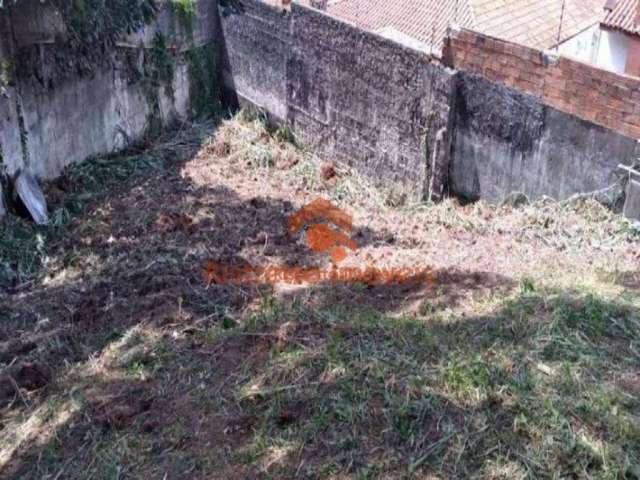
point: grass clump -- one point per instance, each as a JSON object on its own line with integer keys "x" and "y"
{"x": 22, "y": 251}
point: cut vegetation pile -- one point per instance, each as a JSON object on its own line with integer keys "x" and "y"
{"x": 118, "y": 361}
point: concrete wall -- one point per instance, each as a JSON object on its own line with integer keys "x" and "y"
{"x": 531, "y": 122}
{"x": 47, "y": 122}
{"x": 354, "y": 96}
{"x": 507, "y": 141}
{"x": 512, "y": 118}
{"x": 256, "y": 40}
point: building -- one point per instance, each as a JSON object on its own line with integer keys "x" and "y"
{"x": 620, "y": 37}
{"x": 613, "y": 44}
{"x": 423, "y": 23}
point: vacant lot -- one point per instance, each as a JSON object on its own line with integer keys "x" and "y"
{"x": 520, "y": 360}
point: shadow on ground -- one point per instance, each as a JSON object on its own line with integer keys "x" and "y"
{"x": 120, "y": 362}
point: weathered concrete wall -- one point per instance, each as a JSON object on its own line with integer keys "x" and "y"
{"x": 507, "y": 141}
{"x": 370, "y": 102}
{"x": 256, "y": 43}
{"x": 353, "y": 96}
{"x": 395, "y": 113}
{"x": 48, "y": 122}
{"x": 401, "y": 117}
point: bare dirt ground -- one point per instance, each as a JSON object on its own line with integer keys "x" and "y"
{"x": 117, "y": 360}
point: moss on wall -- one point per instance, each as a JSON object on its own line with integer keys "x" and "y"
{"x": 159, "y": 70}
{"x": 6, "y": 75}
{"x": 204, "y": 80}
{"x": 186, "y": 11}
{"x": 24, "y": 135}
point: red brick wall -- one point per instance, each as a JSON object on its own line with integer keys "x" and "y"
{"x": 633, "y": 57}
{"x": 590, "y": 93}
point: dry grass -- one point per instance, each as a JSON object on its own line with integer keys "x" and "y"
{"x": 523, "y": 361}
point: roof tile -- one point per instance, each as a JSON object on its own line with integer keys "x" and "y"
{"x": 624, "y": 16}
{"x": 535, "y": 23}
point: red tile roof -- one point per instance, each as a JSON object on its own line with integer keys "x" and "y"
{"x": 424, "y": 20}
{"x": 624, "y": 16}
{"x": 530, "y": 22}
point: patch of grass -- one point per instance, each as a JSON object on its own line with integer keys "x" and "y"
{"x": 537, "y": 378}
{"x": 24, "y": 247}
{"x": 449, "y": 404}
{"x": 96, "y": 175}
{"x": 22, "y": 250}
{"x": 284, "y": 133}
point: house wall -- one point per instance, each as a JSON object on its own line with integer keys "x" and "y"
{"x": 584, "y": 46}
{"x": 48, "y": 121}
{"x": 613, "y": 49}
{"x": 608, "y": 49}
{"x": 633, "y": 57}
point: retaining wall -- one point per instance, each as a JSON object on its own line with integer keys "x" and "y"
{"x": 487, "y": 119}
{"x": 48, "y": 120}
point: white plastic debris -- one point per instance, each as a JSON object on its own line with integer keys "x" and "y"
{"x": 30, "y": 193}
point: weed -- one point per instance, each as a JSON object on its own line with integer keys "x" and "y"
{"x": 160, "y": 69}
{"x": 186, "y": 10}
{"x": 22, "y": 250}
{"x": 527, "y": 285}
{"x": 284, "y": 134}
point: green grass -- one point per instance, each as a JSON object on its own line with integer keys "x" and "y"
{"x": 461, "y": 398}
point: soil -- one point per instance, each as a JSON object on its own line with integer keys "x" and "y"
{"x": 134, "y": 257}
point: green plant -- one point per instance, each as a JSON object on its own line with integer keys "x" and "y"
{"x": 92, "y": 29}
{"x": 6, "y": 75}
{"x": 284, "y": 134}
{"x": 160, "y": 67}
{"x": 186, "y": 11}
{"x": 24, "y": 136}
{"x": 204, "y": 81}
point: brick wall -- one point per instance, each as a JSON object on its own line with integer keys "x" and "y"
{"x": 633, "y": 56}
{"x": 580, "y": 89}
